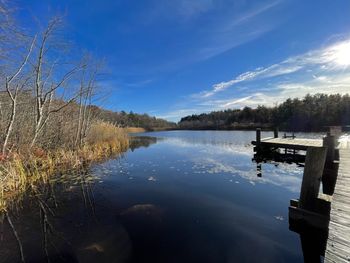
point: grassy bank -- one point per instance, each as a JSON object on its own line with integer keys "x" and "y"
{"x": 140, "y": 129}
{"x": 135, "y": 129}
{"x": 24, "y": 169}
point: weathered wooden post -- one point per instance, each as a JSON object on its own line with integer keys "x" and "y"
{"x": 329, "y": 142}
{"x": 330, "y": 173}
{"x": 314, "y": 165}
{"x": 258, "y": 139}
{"x": 275, "y": 132}
{"x": 335, "y": 131}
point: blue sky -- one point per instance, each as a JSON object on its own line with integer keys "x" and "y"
{"x": 171, "y": 58}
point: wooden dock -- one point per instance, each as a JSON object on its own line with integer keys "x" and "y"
{"x": 291, "y": 143}
{"x": 326, "y": 160}
{"x": 338, "y": 243}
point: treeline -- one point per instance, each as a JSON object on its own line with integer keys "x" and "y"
{"x": 311, "y": 113}
{"x": 131, "y": 119}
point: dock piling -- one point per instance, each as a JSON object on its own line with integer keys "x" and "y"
{"x": 330, "y": 172}
{"x": 329, "y": 142}
{"x": 314, "y": 164}
{"x": 326, "y": 159}
{"x": 258, "y": 140}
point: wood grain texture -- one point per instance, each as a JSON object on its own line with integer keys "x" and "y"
{"x": 338, "y": 243}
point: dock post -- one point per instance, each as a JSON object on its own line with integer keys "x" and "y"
{"x": 275, "y": 133}
{"x": 330, "y": 173}
{"x": 258, "y": 141}
{"x": 329, "y": 142}
{"x": 314, "y": 165}
{"x": 258, "y": 137}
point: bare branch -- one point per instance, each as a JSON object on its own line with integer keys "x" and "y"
{"x": 24, "y": 62}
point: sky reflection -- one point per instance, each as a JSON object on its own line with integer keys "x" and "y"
{"x": 227, "y": 153}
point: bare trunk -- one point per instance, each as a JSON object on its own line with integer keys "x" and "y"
{"x": 78, "y": 134}
{"x": 10, "y": 125}
{"x": 39, "y": 119}
{"x": 13, "y": 96}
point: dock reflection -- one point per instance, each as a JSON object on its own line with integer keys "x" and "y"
{"x": 313, "y": 240}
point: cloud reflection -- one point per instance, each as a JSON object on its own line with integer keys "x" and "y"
{"x": 234, "y": 159}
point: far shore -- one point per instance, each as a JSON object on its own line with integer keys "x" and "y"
{"x": 243, "y": 128}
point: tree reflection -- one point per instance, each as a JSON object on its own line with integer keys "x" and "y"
{"x": 141, "y": 141}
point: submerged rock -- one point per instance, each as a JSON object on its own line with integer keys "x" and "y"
{"x": 142, "y": 209}
{"x": 105, "y": 244}
{"x": 151, "y": 178}
{"x": 95, "y": 247}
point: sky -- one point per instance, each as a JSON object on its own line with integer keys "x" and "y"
{"x": 172, "y": 58}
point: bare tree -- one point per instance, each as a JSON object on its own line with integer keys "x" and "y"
{"x": 14, "y": 82}
{"x": 86, "y": 93}
{"x": 46, "y": 83}
{"x": 13, "y": 94}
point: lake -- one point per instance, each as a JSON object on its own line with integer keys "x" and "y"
{"x": 176, "y": 196}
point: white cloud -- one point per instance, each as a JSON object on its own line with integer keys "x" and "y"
{"x": 177, "y": 114}
{"x": 189, "y": 8}
{"x": 251, "y": 101}
{"x": 180, "y": 10}
{"x": 333, "y": 58}
{"x": 324, "y": 70}
{"x": 223, "y": 43}
{"x": 250, "y": 14}
{"x": 212, "y": 27}
{"x": 282, "y": 91}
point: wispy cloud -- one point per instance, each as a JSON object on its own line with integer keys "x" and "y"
{"x": 239, "y": 27}
{"x": 189, "y": 8}
{"x": 212, "y": 27}
{"x": 224, "y": 43}
{"x": 329, "y": 59}
{"x": 251, "y": 14}
{"x": 322, "y": 70}
{"x": 177, "y": 114}
{"x": 185, "y": 9}
{"x": 139, "y": 83}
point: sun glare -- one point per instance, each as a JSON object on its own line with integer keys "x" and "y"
{"x": 341, "y": 54}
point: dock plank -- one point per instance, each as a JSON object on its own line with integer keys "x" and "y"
{"x": 338, "y": 243}
{"x": 298, "y": 142}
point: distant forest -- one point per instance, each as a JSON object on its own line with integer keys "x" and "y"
{"x": 131, "y": 119}
{"x": 311, "y": 113}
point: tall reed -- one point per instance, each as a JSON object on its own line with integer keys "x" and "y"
{"x": 22, "y": 170}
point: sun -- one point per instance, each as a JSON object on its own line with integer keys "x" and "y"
{"x": 341, "y": 54}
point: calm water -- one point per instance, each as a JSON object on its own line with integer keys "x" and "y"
{"x": 180, "y": 196}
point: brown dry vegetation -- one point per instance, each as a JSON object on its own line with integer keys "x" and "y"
{"x": 135, "y": 129}
{"x": 18, "y": 171}
{"x": 47, "y": 121}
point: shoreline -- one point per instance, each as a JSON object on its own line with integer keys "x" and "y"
{"x": 24, "y": 171}
{"x": 236, "y": 129}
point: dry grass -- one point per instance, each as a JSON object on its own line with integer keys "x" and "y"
{"x": 20, "y": 171}
{"x": 134, "y": 129}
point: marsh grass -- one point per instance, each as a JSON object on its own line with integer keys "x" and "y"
{"x": 135, "y": 129}
{"x": 19, "y": 171}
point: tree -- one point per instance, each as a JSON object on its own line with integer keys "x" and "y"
{"x": 87, "y": 88}
{"x": 311, "y": 113}
{"x": 46, "y": 82}
{"x": 13, "y": 66}
{"x": 13, "y": 94}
